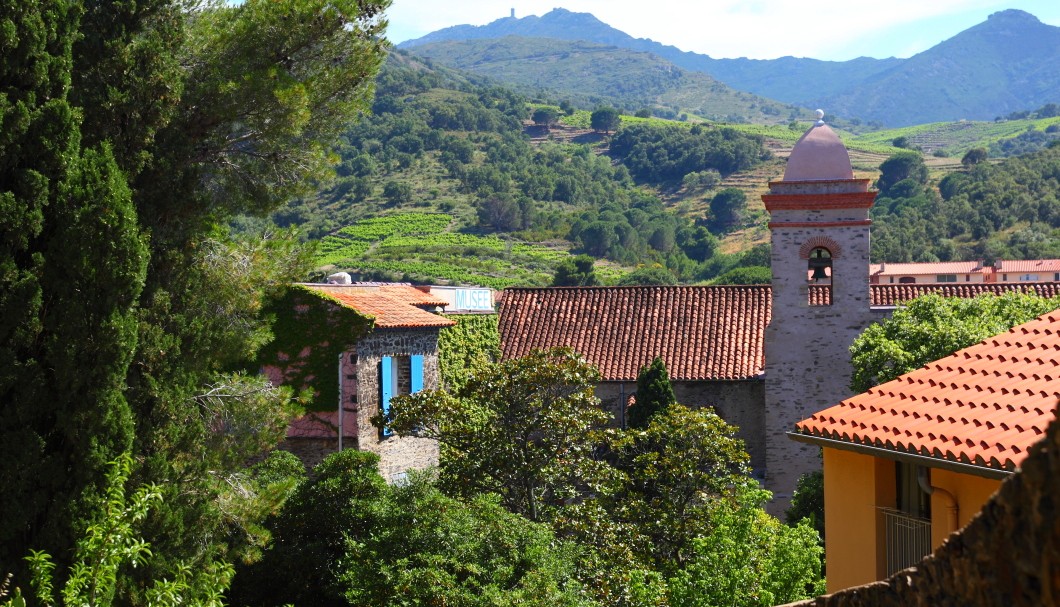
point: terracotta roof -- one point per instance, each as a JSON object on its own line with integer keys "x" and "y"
{"x": 907, "y": 269}
{"x": 392, "y": 306}
{"x": 892, "y": 295}
{"x": 409, "y": 294}
{"x": 702, "y": 333}
{"x": 1030, "y": 265}
{"x": 984, "y": 405}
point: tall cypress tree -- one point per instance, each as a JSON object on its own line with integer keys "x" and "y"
{"x": 72, "y": 264}
{"x": 654, "y": 394}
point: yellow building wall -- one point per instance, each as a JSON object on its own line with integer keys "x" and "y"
{"x": 854, "y": 485}
{"x": 971, "y": 493}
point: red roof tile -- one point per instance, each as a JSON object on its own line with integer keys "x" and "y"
{"x": 702, "y": 333}
{"x": 406, "y": 292}
{"x": 911, "y": 269}
{"x": 1030, "y": 265}
{"x": 392, "y": 306}
{"x": 892, "y": 295}
{"x": 983, "y": 405}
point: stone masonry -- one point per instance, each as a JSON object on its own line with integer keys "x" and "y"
{"x": 396, "y": 453}
{"x": 807, "y": 346}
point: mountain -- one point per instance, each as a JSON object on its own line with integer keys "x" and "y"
{"x": 591, "y": 74}
{"x": 1007, "y": 63}
{"x": 789, "y": 79}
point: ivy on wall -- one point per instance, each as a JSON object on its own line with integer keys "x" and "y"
{"x": 310, "y": 332}
{"x": 472, "y": 342}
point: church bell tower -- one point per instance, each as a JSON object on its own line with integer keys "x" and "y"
{"x": 819, "y": 231}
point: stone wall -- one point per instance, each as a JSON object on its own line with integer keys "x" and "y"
{"x": 739, "y": 403}
{"x": 396, "y": 453}
{"x": 1007, "y": 556}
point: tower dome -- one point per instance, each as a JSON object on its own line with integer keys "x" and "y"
{"x": 819, "y": 155}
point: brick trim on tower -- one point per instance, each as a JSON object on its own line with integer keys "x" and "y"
{"x": 820, "y": 241}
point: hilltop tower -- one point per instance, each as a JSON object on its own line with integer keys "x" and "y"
{"x": 819, "y": 230}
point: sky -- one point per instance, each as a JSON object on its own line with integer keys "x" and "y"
{"x": 835, "y": 30}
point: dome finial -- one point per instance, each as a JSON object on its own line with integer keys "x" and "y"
{"x": 820, "y": 117}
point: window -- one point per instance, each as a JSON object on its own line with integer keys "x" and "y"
{"x": 398, "y": 375}
{"x": 1029, "y": 277}
{"x": 908, "y": 525}
{"x": 946, "y": 278}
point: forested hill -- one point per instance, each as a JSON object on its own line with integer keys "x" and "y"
{"x": 1007, "y": 63}
{"x": 591, "y": 74}
{"x": 442, "y": 183}
{"x": 1009, "y": 210}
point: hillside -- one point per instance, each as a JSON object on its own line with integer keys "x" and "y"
{"x": 444, "y": 183}
{"x": 1006, "y": 63}
{"x": 591, "y": 74}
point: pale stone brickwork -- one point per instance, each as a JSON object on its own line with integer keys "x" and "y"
{"x": 397, "y": 454}
{"x": 1007, "y": 556}
{"x": 737, "y": 402}
{"x": 807, "y": 346}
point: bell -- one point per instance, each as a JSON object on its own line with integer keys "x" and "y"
{"x": 819, "y": 273}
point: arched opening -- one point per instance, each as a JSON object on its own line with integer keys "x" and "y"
{"x": 819, "y": 275}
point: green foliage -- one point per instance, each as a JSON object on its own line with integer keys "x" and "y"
{"x": 648, "y": 275}
{"x": 654, "y": 394}
{"x": 545, "y": 115}
{"x": 575, "y": 272}
{"x": 957, "y": 137}
{"x": 311, "y": 331}
{"x": 746, "y": 275}
{"x": 110, "y": 542}
{"x": 346, "y": 537}
{"x": 656, "y": 154}
{"x": 749, "y": 559}
{"x": 524, "y": 429}
{"x": 900, "y": 167}
{"x": 727, "y": 208}
{"x": 605, "y": 119}
{"x": 465, "y": 348}
{"x": 973, "y": 157}
{"x": 931, "y": 327}
{"x": 807, "y": 502}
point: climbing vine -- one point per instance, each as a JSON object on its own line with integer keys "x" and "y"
{"x": 468, "y": 345}
{"x": 311, "y": 330}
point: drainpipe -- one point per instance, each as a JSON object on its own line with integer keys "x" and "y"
{"x": 951, "y": 508}
{"x": 341, "y": 404}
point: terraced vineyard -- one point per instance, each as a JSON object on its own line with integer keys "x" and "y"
{"x": 955, "y": 138}
{"x": 422, "y": 247}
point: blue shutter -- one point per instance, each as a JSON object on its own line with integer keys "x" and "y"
{"x": 386, "y": 389}
{"x": 416, "y": 373}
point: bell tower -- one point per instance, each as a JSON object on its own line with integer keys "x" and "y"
{"x": 819, "y": 231}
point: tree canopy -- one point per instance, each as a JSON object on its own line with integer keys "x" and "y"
{"x": 931, "y": 327}
{"x": 605, "y": 119}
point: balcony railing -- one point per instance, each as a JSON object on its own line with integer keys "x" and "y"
{"x": 908, "y": 539}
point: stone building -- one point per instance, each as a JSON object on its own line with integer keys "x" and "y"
{"x": 358, "y": 346}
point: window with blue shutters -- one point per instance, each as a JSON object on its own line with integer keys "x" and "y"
{"x": 398, "y": 375}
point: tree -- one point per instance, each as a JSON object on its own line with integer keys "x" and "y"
{"x": 749, "y": 559}
{"x": 973, "y": 157}
{"x": 605, "y": 119}
{"x": 904, "y": 165}
{"x": 643, "y": 112}
{"x": 654, "y": 393}
{"x": 397, "y": 192}
{"x": 345, "y": 537}
{"x": 545, "y": 116}
{"x": 525, "y": 429}
{"x": 931, "y": 327}
{"x": 900, "y": 142}
{"x": 186, "y": 118}
{"x": 653, "y": 275}
{"x": 577, "y": 271}
{"x": 746, "y": 275}
{"x": 727, "y": 208}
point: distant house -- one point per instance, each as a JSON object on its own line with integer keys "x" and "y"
{"x": 358, "y": 345}
{"x": 910, "y": 461}
{"x": 966, "y": 272}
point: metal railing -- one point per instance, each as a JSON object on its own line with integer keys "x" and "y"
{"x": 908, "y": 539}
